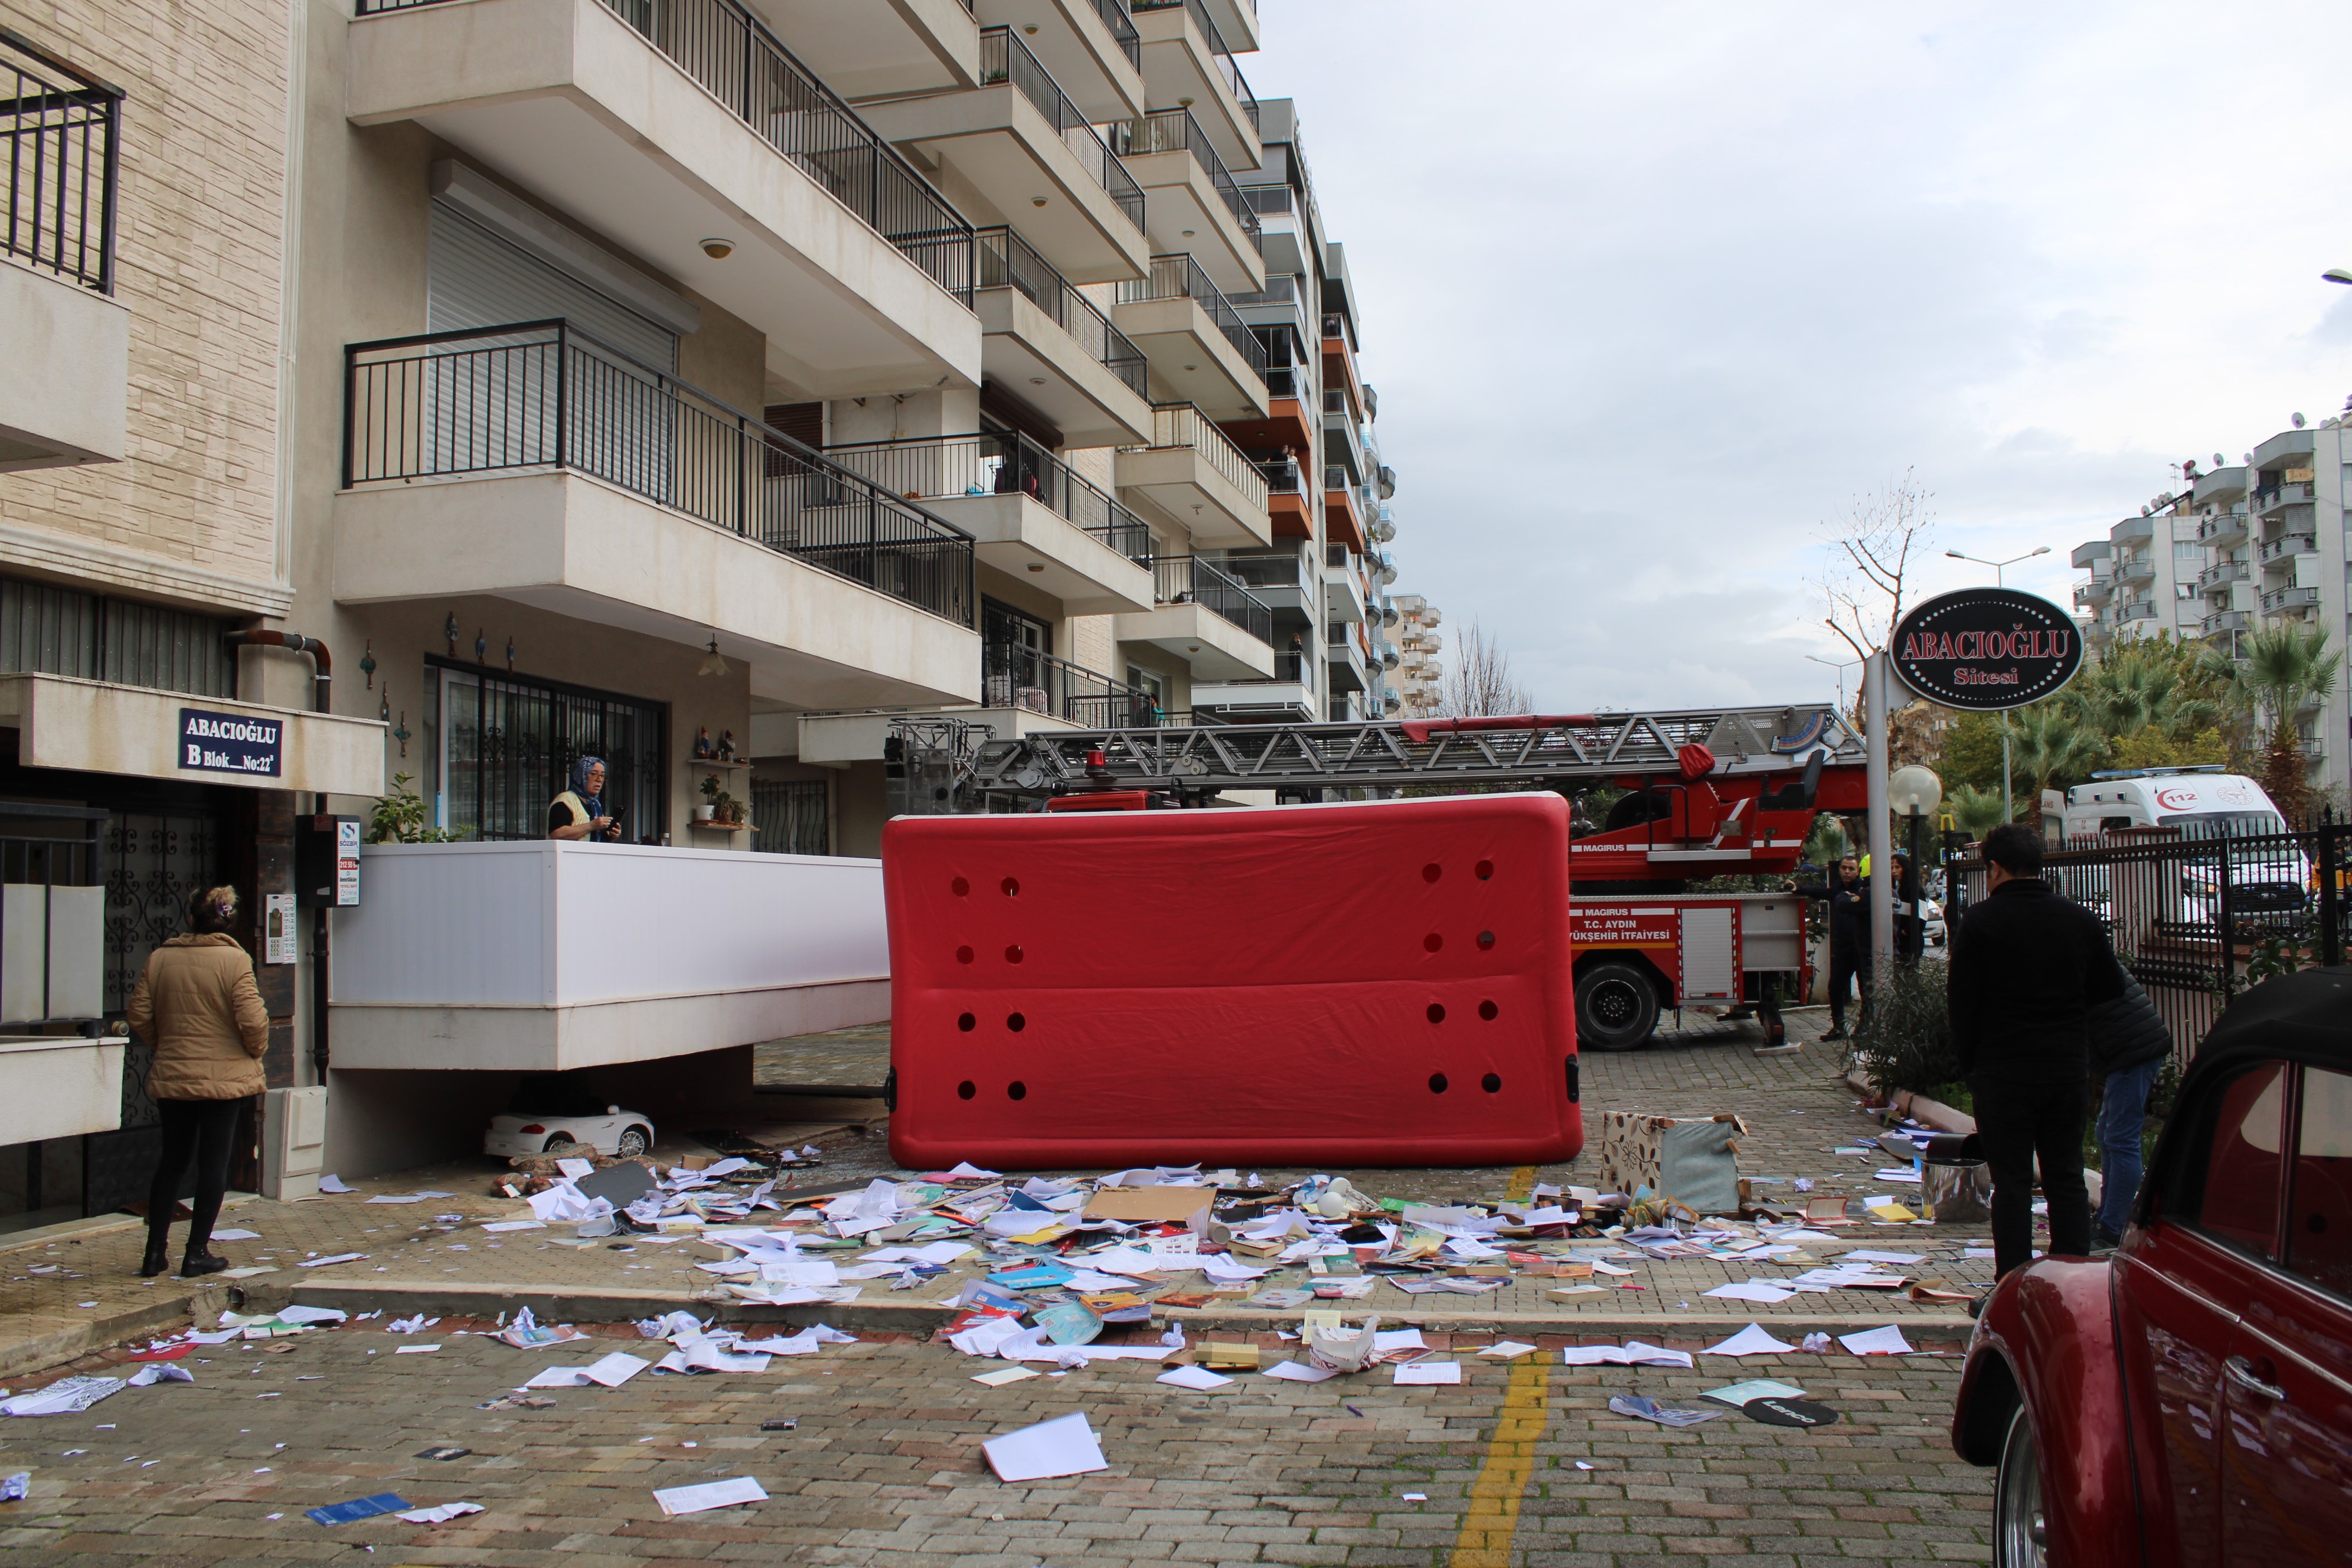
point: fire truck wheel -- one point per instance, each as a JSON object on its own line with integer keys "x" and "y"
{"x": 1616, "y": 1006}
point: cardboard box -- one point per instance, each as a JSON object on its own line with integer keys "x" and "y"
{"x": 1187, "y": 1206}
{"x": 1690, "y": 1159}
{"x": 1215, "y": 1354}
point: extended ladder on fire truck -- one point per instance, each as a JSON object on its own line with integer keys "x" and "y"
{"x": 1710, "y": 792}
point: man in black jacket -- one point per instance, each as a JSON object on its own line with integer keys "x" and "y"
{"x": 2129, "y": 1041}
{"x": 2027, "y": 967}
{"x": 1848, "y": 897}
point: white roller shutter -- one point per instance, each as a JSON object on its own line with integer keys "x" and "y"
{"x": 475, "y": 278}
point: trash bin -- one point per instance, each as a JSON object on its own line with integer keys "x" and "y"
{"x": 1954, "y": 1182}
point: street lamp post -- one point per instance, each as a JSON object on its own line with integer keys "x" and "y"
{"x": 2008, "y": 810}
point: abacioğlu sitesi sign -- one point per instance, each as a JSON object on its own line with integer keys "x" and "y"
{"x": 1984, "y": 650}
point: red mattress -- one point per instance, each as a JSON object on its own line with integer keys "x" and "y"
{"x": 1382, "y": 984}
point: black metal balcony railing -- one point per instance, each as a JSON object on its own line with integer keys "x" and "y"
{"x": 1005, "y": 59}
{"x": 64, "y": 156}
{"x": 1006, "y": 261}
{"x": 1180, "y": 278}
{"x": 545, "y": 394}
{"x": 739, "y": 62}
{"x": 1012, "y": 675}
{"x": 999, "y": 463}
{"x": 1219, "y": 50}
{"x": 1122, "y": 30}
{"x": 1197, "y": 580}
{"x": 1175, "y": 130}
{"x": 1182, "y": 425}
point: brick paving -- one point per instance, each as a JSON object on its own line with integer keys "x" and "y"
{"x": 884, "y": 1468}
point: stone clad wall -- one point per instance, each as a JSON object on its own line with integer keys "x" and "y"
{"x": 199, "y": 224}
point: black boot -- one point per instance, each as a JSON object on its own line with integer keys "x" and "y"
{"x": 159, "y": 1255}
{"x": 199, "y": 1259}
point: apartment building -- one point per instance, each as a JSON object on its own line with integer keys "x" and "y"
{"x": 142, "y": 521}
{"x": 2259, "y": 543}
{"x": 1422, "y": 675}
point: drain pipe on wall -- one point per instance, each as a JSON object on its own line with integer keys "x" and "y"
{"x": 323, "y": 665}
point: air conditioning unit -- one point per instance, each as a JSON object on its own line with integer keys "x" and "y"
{"x": 293, "y": 1142}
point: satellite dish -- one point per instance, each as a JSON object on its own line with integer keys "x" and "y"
{"x": 2298, "y": 421}
{"x": 2219, "y": 460}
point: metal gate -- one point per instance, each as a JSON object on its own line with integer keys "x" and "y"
{"x": 2198, "y": 918}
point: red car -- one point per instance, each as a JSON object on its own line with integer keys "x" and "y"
{"x": 2188, "y": 1401}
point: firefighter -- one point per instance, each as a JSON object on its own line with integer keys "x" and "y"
{"x": 1848, "y": 897}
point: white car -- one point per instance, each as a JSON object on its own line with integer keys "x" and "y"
{"x": 1934, "y": 930}
{"x": 516, "y": 1134}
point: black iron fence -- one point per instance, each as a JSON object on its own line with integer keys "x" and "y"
{"x": 726, "y": 50}
{"x": 64, "y": 131}
{"x": 996, "y": 462}
{"x": 1008, "y": 261}
{"x": 1183, "y": 425}
{"x": 1012, "y": 675}
{"x": 545, "y": 394}
{"x": 1197, "y": 580}
{"x": 1219, "y": 50}
{"x": 1122, "y": 30}
{"x": 1180, "y": 278}
{"x": 1005, "y": 59}
{"x": 2198, "y": 918}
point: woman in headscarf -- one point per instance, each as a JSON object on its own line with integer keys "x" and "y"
{"x": 579, "y": 811}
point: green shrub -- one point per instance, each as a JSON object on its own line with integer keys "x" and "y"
{"x": 1904, "y": 1039}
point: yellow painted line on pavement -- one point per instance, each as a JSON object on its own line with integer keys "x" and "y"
{"x": 1485, "y": 1539}
{"x": 1523, "y": 1185}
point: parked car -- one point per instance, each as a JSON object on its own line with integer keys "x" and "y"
{"x": 2188, "y": 1400}
{"x": 1932, "y": 913}
{"x": 548, "y": 1110}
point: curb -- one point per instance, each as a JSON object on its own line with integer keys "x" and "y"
{"x": 400, "y": 1297}
{"x": 101, "y": 1329}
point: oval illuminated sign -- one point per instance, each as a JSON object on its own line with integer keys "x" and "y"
{"x": 1984, "y": 650}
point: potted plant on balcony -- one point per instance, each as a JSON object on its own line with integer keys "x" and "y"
{"x": 711, "y": 794}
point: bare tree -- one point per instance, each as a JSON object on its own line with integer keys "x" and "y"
{"x": 1872, "y": 550}
{"x": 1478, "y": 681}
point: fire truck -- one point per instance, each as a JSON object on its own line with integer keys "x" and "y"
{"x": 1707, "y": 793}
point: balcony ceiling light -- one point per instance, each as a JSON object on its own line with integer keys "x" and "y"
{"x": 714, "y": 662}
{"x": 718, "y": 249}
{"x": 1036, "y": 381}
{"x": 1037, "y": 566}
{"x": 1036, "y": 201}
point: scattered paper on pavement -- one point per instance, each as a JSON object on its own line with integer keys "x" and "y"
{"x": 1199, "y": 1379}
{"x": 1507, "y": 1350}
{"x": 1291, "y": 1372}
{"x": 1064, "y": 1445}
{"x": 1411, "y": 1373}
{"x": 441, "y": 1514}
{"x": 1750, "y": 1340}
{"x": 709, "y": 1495}
{"x": 1888, "y": 1341}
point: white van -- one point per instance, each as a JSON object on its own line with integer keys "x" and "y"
{"x": 2204, "y": 802}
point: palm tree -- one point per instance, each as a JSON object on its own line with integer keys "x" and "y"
{"x": 2154, "y": 682}
{"x": 2052, "y": 744}
{"x": 2285, "y": 669}
{"x": 1975, "y": 812}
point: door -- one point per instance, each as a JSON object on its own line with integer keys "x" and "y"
{"x": 2287, "y": 1445}
{"x": 1710, "y": 953}
{"x": 2179, "y": 1285}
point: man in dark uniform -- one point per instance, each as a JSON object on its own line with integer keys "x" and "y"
{"x": 1848, "y": 897}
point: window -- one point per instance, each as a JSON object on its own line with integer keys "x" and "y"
{"x": 49, "y": 630}
{"x": 507, "y": 744}
{"x": 790, "y": 815}
{"x": 2233, "y": 1195}
{"x": 2319, "y": 1207}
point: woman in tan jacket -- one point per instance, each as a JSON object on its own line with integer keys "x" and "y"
{"x": 198, "y": 1007}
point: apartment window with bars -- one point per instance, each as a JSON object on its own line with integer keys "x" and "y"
{"x": 791, "y": 816}
{"x": 50, "y": 630}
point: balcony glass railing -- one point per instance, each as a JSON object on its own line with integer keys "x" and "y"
{"x": 1263, "y": 573}
{"x": 731, "y": 54}
{"x": 1006, "y": 261}
{"x": 1181, "y": 425}
{"x": 1012, "y": 675}
{"x": 1268, "y": 201}
{"x": 1282, "y": 475}
{"x": 1218, "y": 51}
{"x": 1175, "y": 130}
{"x": 996, "y": 462}
{"x": 1180, "y": 278}
{"x": 1005, "y": 59}
{"x": 64, "y": 156}
{"x": 545, "y": 394}
{"x": 1197, "y": 580}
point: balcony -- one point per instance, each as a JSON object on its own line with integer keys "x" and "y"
{"x": 1056, "y": 349}
{"x": 658, "y": 136}
{"x": 2287, "y": 449}
{"x": 1200, "y": 349}
{"x": 2137, "y": 610}
{"x": 2286, "y": 547}
{"x": 1344, "y": 661}
{"x": 1289, "y": 697}
{"x": 2293, "y": 601}
{"x": 878, "y": 48}
{"x": 2219, "y": 576}
{"x": 1287, "y": 503}
{"x": 66, "y": 397}
{"x": 1206, "y": 618}
{"x": 2222, "y": 530}
{"x": 1186, "y": 60}
{"x": 2135, "y": 569}
{"x": 1343, "y": 517}
{"x": 2087, "y": 555}
{"x": 1197, "y": 476}
{"x": 2096, "y": 591}
{"x": 2219, "y": 487}
{"x": 1021, "y": 677}
{"x": 1344, "y": 599}
{"x": 2277, "y": 497}
{"x": 1030, "y": 517}
{"x": 1195, "y": 207}
{"x": 1283, "y": 581}
{"x": 533, "y": 463}
{"x": 2131, "y": 531}
{"x": 1017, "y": 139}
{"x": 1091, "y": 47}
{"x": 504, "y": 956}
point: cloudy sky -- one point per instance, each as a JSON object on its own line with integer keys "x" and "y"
{"x": 1653, "y": 293}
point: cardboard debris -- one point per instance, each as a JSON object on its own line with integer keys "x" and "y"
{"x": 1186, "y": 1206}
